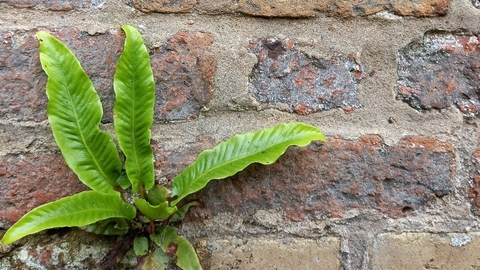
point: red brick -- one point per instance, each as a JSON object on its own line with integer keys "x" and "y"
{"x": 343, "y": 8}
{"x": 21, "y": 78}
{"x": 184, "y": 80}
{"x": 284, "y": 75}
{"x": 299, "y": 8}
{"x": 184, "y": 69}
{"x": 56, "y": 4}
{"x": 216, "y": 6}
{"x": 331, "y": 178}
{"x": 418, "y": 8}
{"x": 439, "y": 71}
{"x": 273, "y": 8}
{"x": 165, "y": 6}
{"x": 24, "y": 81}
{"x": 27, "y": 181}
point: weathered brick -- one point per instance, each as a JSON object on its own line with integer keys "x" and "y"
{"x": 299, "y": 8}
{"x": 474, "y": 189}
{"x": 273, "y": 8}
{"x": 303, "y": 84}
{"x": 23, "y": 79}
{"x": 272, "y": 254}
{"x": 165, "y": 6}
{"x": 27, "y": 181}
{"x": 439, "y": 71}
{"x": 418, "y": 8}
{"x": 343, "y": 8}
{"x": 183, "y": 71}
{"x": 56, "y": 4}
{"x": 328, "y": 179}
{"x": 22, "y": 96}
{"x": 217, "y": 6}
{"x": 426, "y": 251}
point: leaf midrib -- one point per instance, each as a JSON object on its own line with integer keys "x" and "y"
{"x": 230, "y": 161}
{"x": 105, "y": 209}
{"x": 133, "y": 120}
{"x": 77, "y": 123}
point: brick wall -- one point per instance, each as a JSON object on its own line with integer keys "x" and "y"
{"x": 395, "y": 86}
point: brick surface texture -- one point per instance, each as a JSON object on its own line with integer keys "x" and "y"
{"x": 331, "y": 178}
{"x": 184, "y": 68}
{"x": 27, "y": 181}
{"x": 319, "y": 180}
{"x": 474, "y": 189}
{"x": 268, "y": 254}
{"x": 298, "y": 8}
{"x": 393, "y": 84}
{"x": 177, "y": 96}
{"x": 440, "y": 71}
{"x": 283, "y": 75}
{"x": 427, "y": 251}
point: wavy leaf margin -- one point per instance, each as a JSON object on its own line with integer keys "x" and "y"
{"x": 133, "y": 109}
{"x": 235, "y": 154}
{"x": 74, "y": 113}
{"x": 77, "y": 210}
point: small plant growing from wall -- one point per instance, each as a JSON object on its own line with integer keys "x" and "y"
{"x": 124, "y": 198}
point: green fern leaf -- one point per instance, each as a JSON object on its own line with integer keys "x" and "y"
{"x": 187, "y": 258}
{"x": 140, "y": 245}
{"x": 235, "y": 154}
{"x": 158, "y": 194}
{"x": 157, "y": 212}
{"x": 74, "y": 112}
{"x": 174, "y": 245}
{"x": 78, "y": 210}
{"x": 135, "y": 96}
